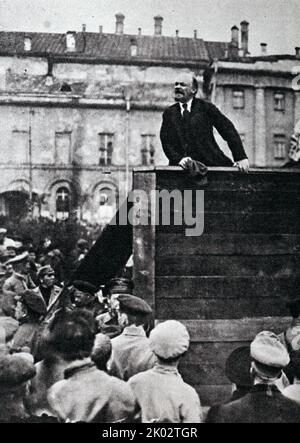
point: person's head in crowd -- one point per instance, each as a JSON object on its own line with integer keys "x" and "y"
{"x": 169, "y": 341}
{"x": 46, "y": 276}
{"x": 269, "y": 357}
{"x": 30, "y": 305}
{"x": 20, "y": 263}
{"x": 15, "y": 373}
{"x": 32, "y": 255}
{"x": 11, "y": 251}
{"x": 115, "y": 287}
{"x": 9, "y": 269}
{"x": 101, "y": 351}
{"x": 3, "y": 232}
{"x": 132, "y": 310}
{"x": 237, "y": 370}
{"x": 84, "y": 293}
{"x": 72, "y": 334}
{"x": 47, "y": 243}
{"x": 82, "y": 245}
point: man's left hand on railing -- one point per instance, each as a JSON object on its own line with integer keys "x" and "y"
{"x": 243, "y": 165}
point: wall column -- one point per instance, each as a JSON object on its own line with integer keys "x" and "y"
{"x": 260, "y": 128}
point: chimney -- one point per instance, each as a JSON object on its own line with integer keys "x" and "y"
{"x": 120, "y": 23}
{"x": 139, "y": 31}
{"x": 263, "y": 48}
{"x": 297, "y": 51}
{"x": 177, "y": 33}
{"x": 195, "y": 33}
{"x": 158, "y": 25}
{"x": 83, "y": 28}
{"x": 133, "y": 47}
{"x": 71, "y": 41}
{"x": 245, "y": 37}
{"x": 100, "y": 29}
{"x": 235, "y": 36}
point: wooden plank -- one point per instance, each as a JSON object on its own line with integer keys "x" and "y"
{"x": 191, "y": 287}
{"x": 213, "y": 394}
{"x": 204, "y": 363}
{"x": 222, "y": 308}
{"x": 214, "y": 331}
{"x": 227, "y": 244}
{"x": 245, "y": 266}
{"x": 231, "y": 181}
{"x": 144, "y": 248}
{"x": 241, "y": 222}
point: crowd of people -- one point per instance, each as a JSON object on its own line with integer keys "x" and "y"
{"x": 95, "y": 355}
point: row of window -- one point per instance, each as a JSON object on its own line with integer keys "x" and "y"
{"x": 280, "y": 145}
{"x": 19, "y": 152}
{"x": 239, "y": 101}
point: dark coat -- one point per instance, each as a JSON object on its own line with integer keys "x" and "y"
{"x": 257, "y": 407}
{"x": 203, "y": 147}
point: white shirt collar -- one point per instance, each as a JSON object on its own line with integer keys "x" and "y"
{"x": 189, "y": 106}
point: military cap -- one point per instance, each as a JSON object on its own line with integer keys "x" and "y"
{"x": 84, "y": 286}
{"x": 169, "y": 339}
{"x": 133, "y": 304}
{"x": 18, "y": 258}
{"x": 267, "y": 350}
{"x": 33, "y": 301}
{"x": 45, "y": 270}
{"x": 16, "y": 369}
{"x": 238, "y": 365}
{"x": 120, "y": 286}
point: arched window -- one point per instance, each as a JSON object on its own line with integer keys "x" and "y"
{"x": 106, "y": 204}
{"x": 63, "y": 205}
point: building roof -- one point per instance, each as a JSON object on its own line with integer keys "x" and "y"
{"x": 112, "y": 46}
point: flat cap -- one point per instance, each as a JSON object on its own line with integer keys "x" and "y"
{"x": 133, "y": 304}
{"x": 169, "y": 339}
{"x": 16, "y": 369}
{"x": 238, "y": 365}
{"x": 84, "y": 286}
{"x": 3, "y": 231}
{"x": 45, "y": 270}
{"x": 269, "y": 351}
{"x": 120, "y": 286}
{"x": 18, "y": 258}
{"x": 33, "y": 301}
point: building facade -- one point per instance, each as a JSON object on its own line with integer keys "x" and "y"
{"x": 80, "y": 110}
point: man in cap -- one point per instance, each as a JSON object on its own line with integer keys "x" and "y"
{"x": 84, "y": 296}
{"x": 131, "y": 351}
{"x": 15, "y": 372}
{"x": 161, "y": 393}
{"x": 108, "y": 322}
{"x": 265, "y": 403}
{"x": 29, "y": 310}
{"x": 47, "y": 287}
{"x": 237, "y": 370}
{"x": 18, "y": 282}
{"x": 87, "y": 394}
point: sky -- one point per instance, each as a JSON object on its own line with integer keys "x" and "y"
{"x": 276, "y": 22}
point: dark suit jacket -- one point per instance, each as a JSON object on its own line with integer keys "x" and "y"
{"x": 204, "y": 148}
{"x": 257, "y": 407}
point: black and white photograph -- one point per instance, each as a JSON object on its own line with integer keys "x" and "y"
{"x": 149, "y": 214}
